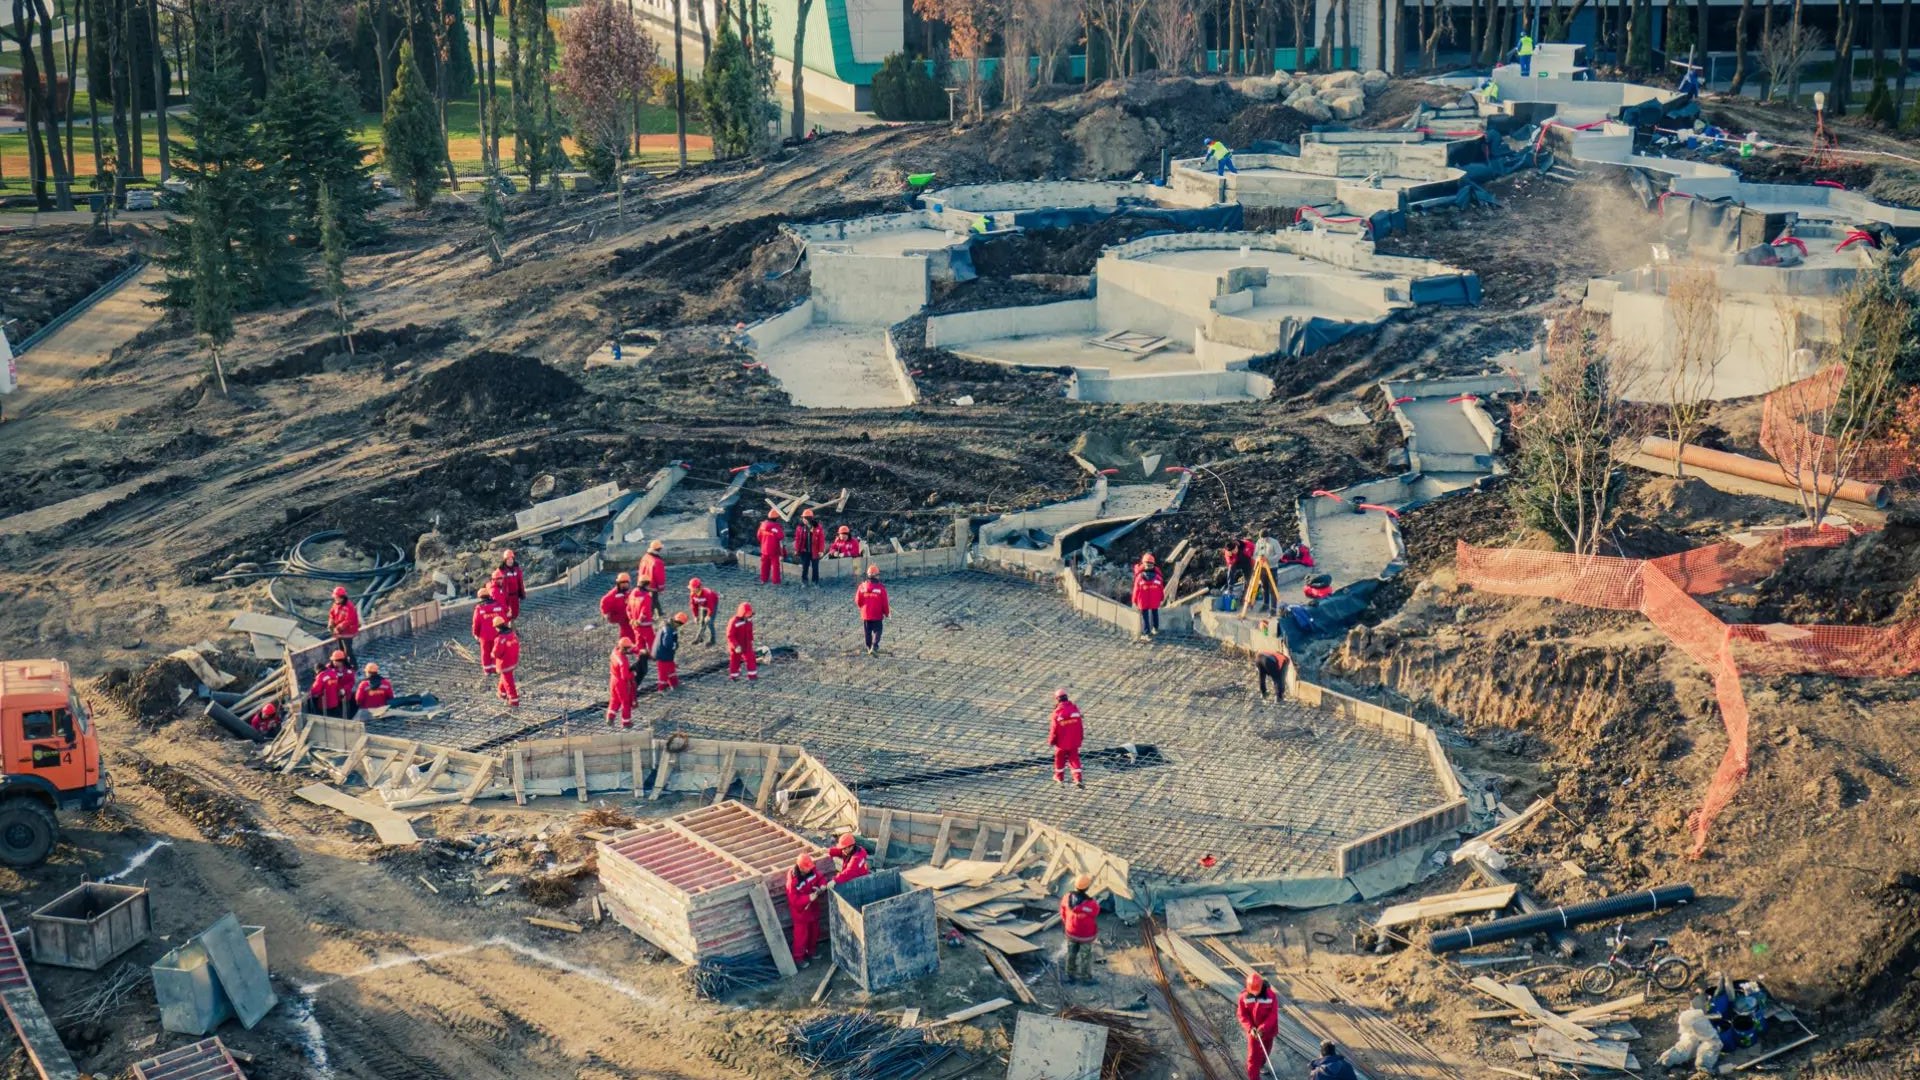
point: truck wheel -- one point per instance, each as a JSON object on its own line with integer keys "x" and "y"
{"x": 27, "y": 832}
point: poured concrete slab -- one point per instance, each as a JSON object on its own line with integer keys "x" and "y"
{"x": 830, "y": 366}
{"x": 899, "y": 241}
{"x": 966, "y": 678}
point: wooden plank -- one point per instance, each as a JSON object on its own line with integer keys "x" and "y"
{"x": 1521, "y": 998}
{"x": 1771, "y": 1054}
{"x": 769, "y": 775}
{"x": 726, "y": 777}
{"x": 1606, "y": 1008}
{"x": 519, "y": 778}
{"x": 1200, "y": 915}
{"x": 1203, "y": 969}
{"x": 401, "y": 762}
{"x": 962, "y": 899}
{"x": 941, "y": 841}
{"x": 554, "y": 924}
{"x": 479, "y": 783}
{"x": 979, "y": 848}
{"x": 1010, "y": 944}
{"x": 770, "y": 929}
{"x": 580, "y": 772}
{"x": 1555, "y": 1046}
{"x": 426, "y": 780}
{"x": 826, "y": 981}
{"x": 299, "y": 750}
{"x": 1049, "y": 1048}
{"x": 390, "y": 827}
{"x": 1005, "y": 970}
{"x": 660, "y": 779}
{"x": 883, "y": 836}
{"x": 1491, "y": 898}
{"x": 970, "y": 1012}
{"x": 355, "y": 754}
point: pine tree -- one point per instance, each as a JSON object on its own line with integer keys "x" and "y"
{"x": 493, "y": 215}
{"x": 735, "y": 96}
{"x": 410, "y": 134}
{"x": 309, "y": 124}
{"x": 211, "y": 264}
{"x": 333, "y": 256}
{"x": 536, "y": 141}
{"x": 238, "y": 228}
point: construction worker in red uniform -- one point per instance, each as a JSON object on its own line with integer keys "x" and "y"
{"x": 1259, "y": 1012}
{"x": 851, "y": 857}
{"x": 771, "y": 534}
{"x": 1272, "y": 667}
{"x": 871, "y": 599}
{"x": 486, "y": 615}
{"x": 640, "y": 618}
{"x": 622, "y": 687}
{"x": 506, "y": 657}
{"x": 653, "y": 568}
{"x": 267, "y": 720}
{"x": 1149, "y": 592}
{"x": 1065, "y": 734}
{"x": 809, "y": 547}
{"x": 332, "y": 686}
{"x": 740, "y": 645}
{"x": 375, "y": 691}
{"x": 665, "y": 649}
{"x": 343, "y": 621}
{"x": 1080, "y": 918}
{"x": 844, "y": 545}
{"x": 613, "y": 606}
{"x": 513, "y": 583}
{"x": 704, "y": 605}
{"x": 807, "y": 903}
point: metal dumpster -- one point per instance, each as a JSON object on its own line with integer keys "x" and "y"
{"x": 190, "y": 997}
{"x": 91, "y": 925}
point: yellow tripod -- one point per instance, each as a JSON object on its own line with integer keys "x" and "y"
{"x": 1262, "y": 572}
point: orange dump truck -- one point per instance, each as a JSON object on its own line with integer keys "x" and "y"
{"x": 49, "y": 758}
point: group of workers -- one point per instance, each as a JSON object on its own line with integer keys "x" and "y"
{"x": 807, "y": 887}
{"x": 808, "y": 546}
{"x": 338, "y": 688}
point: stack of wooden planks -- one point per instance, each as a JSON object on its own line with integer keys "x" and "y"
{"x": 701, "y": 884}
{"x": 1565, "y": 1039}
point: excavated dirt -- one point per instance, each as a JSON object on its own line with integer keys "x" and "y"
{"x": 45, "y": 271}
{"x": 1266, "y": 122}
{"x": 486, "y": 388}
{"x": 1872, "y": 579}
{"x": 387, "y": 348}
{"x": 1070, "y": 250}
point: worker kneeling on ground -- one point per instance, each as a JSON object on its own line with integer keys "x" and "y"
{"x": 851, "y": 857}
{"x": 1080, "y": 918}
{"x": 703, "y": 604}
{"x": 1259, "y": 1012}
{"x": 665, "y": 648}
{"x": 807, "y": 904}
{"x": 1330, "y": 1065}
{"x": 375, "y": 691}
{"x": 1699, "y": 1040}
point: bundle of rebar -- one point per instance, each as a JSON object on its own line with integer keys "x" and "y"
{"x": 108, "y": 997}
{"x": 717, "y": 976}
{"x": 1128, "y": 1051}
{"x": 862, "y": 1046}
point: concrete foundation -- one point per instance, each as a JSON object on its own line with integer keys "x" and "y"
{"x": 883, "y": 932}
{"x": 1810, "y": 202}
{"x": 995, "y": 207}
{"x": 1358, "y": 173}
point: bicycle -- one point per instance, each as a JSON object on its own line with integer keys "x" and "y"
{"x": 1668, "y": 972}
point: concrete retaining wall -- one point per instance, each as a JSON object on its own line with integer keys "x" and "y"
{"x": 1097, "y": 385}
{"x": 867, "y": 290}
{"x": 908, "y": 388}
{"x": 1066, "y": 317}
{"x": 1041, "y": 194}
{"x": 769, "y": 332}
{"x": 1123, "y": 617}
{"x": 1810, "y": 200}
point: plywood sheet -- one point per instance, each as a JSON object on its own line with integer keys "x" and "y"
{"x": 1049, "y": 1048}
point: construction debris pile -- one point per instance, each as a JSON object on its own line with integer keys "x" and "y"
{"x": 862, "y": 1046}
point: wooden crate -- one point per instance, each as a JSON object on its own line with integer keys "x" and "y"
{"x": 704, "y": 883}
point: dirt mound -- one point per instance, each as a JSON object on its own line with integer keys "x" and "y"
{"x": 1873, "y": 579}
{"x": 43, "y": 272}
{"x": 1266, "y": 122}
{"x": 1115, "y": 130}
{"x": 387, "y": 347}
{"x": 487, "y": 387}
{"x": 152, "y": 694}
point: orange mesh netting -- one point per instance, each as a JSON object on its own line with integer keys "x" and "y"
{"x": 1803, "y": 452}
{"x": 1663, "y": 590}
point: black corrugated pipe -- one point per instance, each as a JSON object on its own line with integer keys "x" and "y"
{"x": 1644, "y": 902}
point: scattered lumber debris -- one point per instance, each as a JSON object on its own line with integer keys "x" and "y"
{"x": 970, "y": 1012}
{"x": 1491, "y": 898}
{"x": 564, "y": 512}
{"x": 1521, "y": 998}
{"x": 1202, "y": 915}
{"x": 1127, "y": 1051}
{"x": 555, "y": 924}
{"x": 392, "y": 828}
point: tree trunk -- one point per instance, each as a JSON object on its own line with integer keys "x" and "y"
{"x": 1740, "y": 49}
{"x": 493, "y": 85}
{"x": 1900, "y": 80}
{"x": 382, "y": 49}
{"x": 441, "y": 54}
{"x": 679, "y": 85}
{"x": 160, "y": 92}
{"x": 139, "y": 163}
{"x": 1346, "y": 30}
{"x": 799, "y": 70}
{"x": 118, "y": 82}
{"x": 93, "y": 100}
{"x": 1473, "y": 29}
{"x": 706, "y": 40}
{"x": 1488, "y": 56}
{"x": 1879, "y": 38}
{"x": 1793, "y": 80}
{"x": 1299, "y": 36}
{"x": 73, "y": 84}
{"x": 1840, "y": 87}
{"x": 1381, "y": 12}
{"x": 480, "y": 86}
{"x": 1324, "y": 61}
{"x": 62, "y": 187}
{"x": 513, "y": 84}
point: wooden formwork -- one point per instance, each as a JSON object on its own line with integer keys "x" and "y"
{"x": 941, "y": 836}
{"x": 701, "y": 884}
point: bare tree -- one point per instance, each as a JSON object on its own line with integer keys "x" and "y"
{"x": 1302, "y": 12}
{"x": 1015, "y": 77}
{"x": 1694, "y": 352}
{"x": 1173, "y": 33}
{"x": 1119, "y": 21}
{"x": 1049, "y": 28}
{"x": 1566, "y": 483}
{"x": 971, "y": 27}
{"x": 1739, "y": 48}
{"x": 1784, "y": 50}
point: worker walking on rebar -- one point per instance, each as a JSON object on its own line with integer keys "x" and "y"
{"x": 506, "y": 657}
{"x": 1331, "y": 1064}
{"x": 375, "y": 691}
{"x": 1259, "y": 1012}
{"x": 1149, "y": 592}
{"x": 851, "y": 856}
{"x": 809, "y": 547}
{"x": 513, "y": 582}
{"x": 1080, "y": 918}
{"x": 1272, "y": 667}
{"x": 613, "y": 606}
{"x": 771, "y": 535}
{"x": 653, "y": 568}
{"x": 640, "y": 618}
{"x": 703, "y": 604}
{"x": 486, "y": 616}
{"x": 665, "y": 649}
{"x": 740, "y": 645}
{"x": 806, "y": 903}
{"x": 1066, "y": 732}
{"x": 343, "y": 621}
{"x": 622, "y": 687}
{"x": 871, "y": 598}
{"x": 1220, "y": 158}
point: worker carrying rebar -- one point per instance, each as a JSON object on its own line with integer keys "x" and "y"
{"x": 851, "y": 856}
{"x": 506, "y": 657}
{"x": 871, "y": 599}
{"x": 613, "y": 606}
{"x": 665, "y": 650}
{"x": 332, "y": 687}
{"x": 513, "y": 582}
{"x": 1066, "y": 733}
{"x": 1149, "y": 592}
{"x": 703, "y": 604}
{"x": 1699, "y": 1041}
{"x": 807, "y": 904}
{"x": 1220, "y": 158}
{"x": 809, "y": 547}
{"x": 771, "y": 535}
{"x": 1080, "y": 919}
{"x": 486, "y": 614}
{"x": 844, "y": 545}
{"x": 1331, "y": 1064}
{"x": 375, "y": 691}
{"x": 622, "y": 686}
{"x": 1259, "y": 1013}
{"x": 1524, "y": 54}
{"x": 740, "y": 645}
{"x": 343, "y": 621}
{"x": 653, "y": 568}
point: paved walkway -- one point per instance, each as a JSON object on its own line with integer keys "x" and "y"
{"x": 966, "y": 678}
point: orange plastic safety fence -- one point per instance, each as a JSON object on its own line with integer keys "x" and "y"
{"x": 1663, "y": 589}
{"x": 1787, "y": 438}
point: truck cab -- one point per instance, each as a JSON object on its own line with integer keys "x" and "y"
{"x": 49, "y": 757}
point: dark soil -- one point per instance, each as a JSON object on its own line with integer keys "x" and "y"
{"x": 43, "y": 272}
{"x": 329, "y": 353}
{"x": 1071, "y": 250}
{"x": 220, "y": 816}
{"x": 1870, "y": 580}
{"x": 1266, "y": 122}
{"x": 486, "y": 388}
{"x": 152, "y": 694}
{"x": 1433, "y": 532}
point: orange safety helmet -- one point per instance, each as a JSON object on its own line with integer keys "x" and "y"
{"x": 373, "y": 668}
{"x": 846, "y": 530}
{"x": 624, "y": 578}
{"x": 807, "y": 513}
{"x": 269, "y": 709}
{"x": 1255, "y": 983}
{"x": 804, "y": 862}
{"x": 499, "y": 574}
{"x": 679, "y": 618}
{"x": 1083, "y": 882}
{"x": 339, "y": 654}
{"x": 1060, "y": 694}
{"x": 656, "y": 546}
{"x": 872, "y": 571}
{"x": 846, "y": 842}
{"x": 1147, "y": 558}
{"x": 694, "y": 585}
{"x": 507, "y": 554}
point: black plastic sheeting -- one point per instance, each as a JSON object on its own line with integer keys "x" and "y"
{"x": 1650, "y": 114}
{"x": 1303, "y": 336}
{"x": 1717, "y": 226}
{"x": 1451, "y": 290}
{"x": 1226, "y": 218}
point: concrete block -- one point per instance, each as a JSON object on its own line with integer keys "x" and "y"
{"x": 883, "y": 932}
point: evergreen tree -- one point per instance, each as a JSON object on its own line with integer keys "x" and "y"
{"x": 536, "y": 135}
{"x": 235, "y": 240}
{"x": 333, "y": 256}
{"x": 736, "y": 96}
{"x": 309, "y": 124}
{"x": 410, "y": 135}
